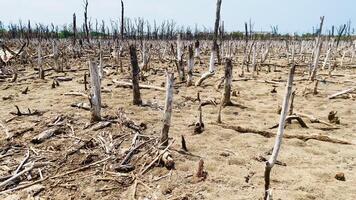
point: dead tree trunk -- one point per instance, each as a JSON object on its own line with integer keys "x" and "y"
{"x": 190, "y": 64}
{"x": 318, "y": 50}
{"x": 328, "y": 53}
{"x": 214, "y": 48}
{"x": 57, "y": 66}
{"x": 95, "y": 94}
{"x": 145, "y": 56}
{"x": 228, "y": 80}
{"x": 244, "y": 60}
{"x": 135, "y": 76}
{"x": 270, "y": 163}
{"x": 167, "y": 109}
{"x": 101, "y": 65}
{"x": 179, "y": 61}
{"x": 197, "y": 49}
{"x": 86, "y": 20}
{"x": 122, "y": 20}
{"x": 74, "y": 30}
{"x": 39, "y": 61}
{"x": 254, "y": 65}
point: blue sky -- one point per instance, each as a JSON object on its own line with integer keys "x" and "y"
{"x": 290, "y": 15}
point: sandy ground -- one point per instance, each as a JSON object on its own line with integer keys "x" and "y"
{"x": 228, "y": 155}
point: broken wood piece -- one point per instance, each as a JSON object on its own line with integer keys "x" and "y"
{"x": 18, "y": 132}
{"x": 156, "y": 158}
{"x": 81, "y": 105}
{"x": 167, "y": 160}
{"x": 124, "y": 168}
{"x": 184, "y": 145}
{"x": 81, "y": 168}
{"x": 199, "y": 125}
{"x": 75, "y": 94}
{"x": 46, "y": 135}
{"x": 63, "y": 79}
{"x": 201, "y": 174}
{"x": 100, "y": 125}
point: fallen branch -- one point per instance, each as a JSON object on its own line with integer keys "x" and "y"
{"x": 81, "y": 168}
{"x": 341, "y": 93}
{"x": 268, "y": 134}
{"x": 142, "y": 86}
{"x": 156, "y": 158}
{"x": 46, "y": 135}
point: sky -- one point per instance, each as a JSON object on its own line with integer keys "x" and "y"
{"x": 290, "y": 15}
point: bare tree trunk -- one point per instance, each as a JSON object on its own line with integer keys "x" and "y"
{"x": 86, "y": 20}
{"x": 135, "y": 76}
{"x": 254, "y": 65}
{"x": 197, "y": 49}
{"x": 57, "y": 66}
{"x": 39, "y": 61}
{"x": 331, "y": 44}
{"x": 101, "y": 65}
{"x": 180, "y": 66}
{"x": 270, "y": 163}
{"x": 228, "y": 81}
{"x": 211, "y": 71}
{"x": 190, "y": 64}
{"x": 167, "y": 109}
{"x": 318, "y": 50}
{"x": 95, "y": 94}
{"x": 74, "y": 30}
{"x": 145, "y": 56}
{"x": 122, "y": 20}
{"x": 214, "y": 48}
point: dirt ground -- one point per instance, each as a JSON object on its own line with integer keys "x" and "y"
{"x": 229, "y": 156}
